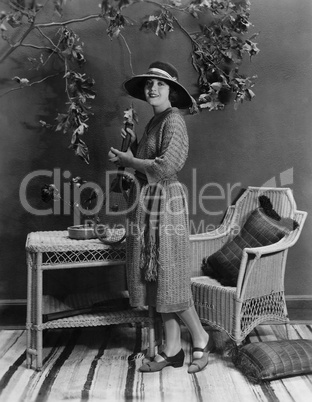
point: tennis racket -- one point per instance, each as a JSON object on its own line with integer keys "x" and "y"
{"x": 110, "y": 222}
{"x": 99, "y": 307}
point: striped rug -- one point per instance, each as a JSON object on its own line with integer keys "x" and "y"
{"x": 101, "y": 364}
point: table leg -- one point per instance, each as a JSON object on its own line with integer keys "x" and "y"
{"x": 39, "y": 310}
{"x": 30, "y": 264}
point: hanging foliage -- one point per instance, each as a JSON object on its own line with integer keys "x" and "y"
{"x": 218, "y": 50}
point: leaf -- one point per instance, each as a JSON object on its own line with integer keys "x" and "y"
{"x": 113, "y": 31}
{"x": 254, "y": 36}
{"x": 124, "y": 3}
{"x": 216, "y": 86}
{"x": 66, "y": 53}
{"x": 77, "y": 181}
{"x": 58, "y": 6}
{"x": 251, "y": 94}
{"x": 210, "y": 101}
{"x": 81, "y": 129}
{"x": 63, "y": 122}
{"x": 212, "y": 105}
{"x": 45, "y": 124}
{"x": 81, "y": 150}
{"x": 117, "y": 22}
{"x": 130, "y": 116}
{"x": 194, "y": 109}
{"x": 160, "y": 23}
{"x": 15, "y": 19}
{"x": 24, "y": 82}
{"x": 251, "y": 48}
{"x": 108, "y": 6}
{"x": 176, "y": 3}
{"x": 49, "y": 192}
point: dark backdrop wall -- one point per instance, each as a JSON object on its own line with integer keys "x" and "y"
{"x": 265, "y": 142}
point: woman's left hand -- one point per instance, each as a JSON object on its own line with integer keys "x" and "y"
{"x": 119, "y": 158}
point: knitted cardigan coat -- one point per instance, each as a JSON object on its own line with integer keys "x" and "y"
{"x": 164, "y": 147}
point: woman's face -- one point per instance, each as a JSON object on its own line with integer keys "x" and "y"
{"x": 157, "y": 93}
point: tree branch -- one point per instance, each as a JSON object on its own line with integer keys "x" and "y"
{"x": 47, "y": 25}
{"x": 29, "y": 85}
{"x": 36, "y": 47}
{"x": 68, "y": 22}
{"x": 17, "y": 44}
{"x": 196, "y": 44}
{"x": 55, "y": 47}
{"x": 129, "y": 51}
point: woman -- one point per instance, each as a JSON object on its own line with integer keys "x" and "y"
{"x": 158, "y": 269}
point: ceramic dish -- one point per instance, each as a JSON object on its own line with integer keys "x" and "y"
{"x": 81, "y": 232}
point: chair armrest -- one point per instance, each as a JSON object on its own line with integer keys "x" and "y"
{"x": 261, "y": 273}
{"x": 262, "y": 269}
{"x": 270, "y": 249}
{"x": 286, "y": 242}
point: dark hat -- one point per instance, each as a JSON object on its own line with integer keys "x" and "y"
{"x": 164, "y": 71}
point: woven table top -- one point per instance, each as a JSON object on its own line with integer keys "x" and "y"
{"x": 49, "y": 241}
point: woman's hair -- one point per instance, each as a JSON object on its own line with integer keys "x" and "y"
{"x": 173, "y": 95}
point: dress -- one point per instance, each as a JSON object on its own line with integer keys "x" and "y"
{"x": 164, "y": 148}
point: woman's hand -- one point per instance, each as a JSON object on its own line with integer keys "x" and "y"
{"x": 129, "y": 131}
{"x": 121, "y": 159}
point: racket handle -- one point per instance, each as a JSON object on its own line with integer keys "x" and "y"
{"x": 126, "y": 141}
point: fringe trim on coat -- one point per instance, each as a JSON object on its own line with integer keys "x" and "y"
{"x": 150, "y": 237}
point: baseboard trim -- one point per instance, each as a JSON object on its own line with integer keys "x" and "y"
{"x": 13, "y": 302}
{"x": 299, "y": 301}
{"x": 13, "y": 314}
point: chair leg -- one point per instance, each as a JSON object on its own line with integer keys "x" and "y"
{"x": 288, "y": 328}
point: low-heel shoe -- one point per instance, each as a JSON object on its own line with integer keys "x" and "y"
{"x": 174, "y": 361}
{"x": 199, "y": 364}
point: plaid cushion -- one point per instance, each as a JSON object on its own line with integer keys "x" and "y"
{"x": 261, "y": 361}
{"x": 259, "y": 230}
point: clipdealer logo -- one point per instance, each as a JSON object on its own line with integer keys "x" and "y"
{"x": 198, "y": 198}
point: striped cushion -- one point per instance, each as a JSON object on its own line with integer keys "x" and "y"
{"x": 259, "y": 230}
{"x": 261, "y": 361}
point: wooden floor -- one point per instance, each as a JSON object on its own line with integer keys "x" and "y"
{"x": 101, "y": 364}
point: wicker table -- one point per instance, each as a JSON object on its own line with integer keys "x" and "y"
{"x": 54, "y": 250}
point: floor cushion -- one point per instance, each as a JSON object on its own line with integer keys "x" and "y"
{"x": 267, "y": 361}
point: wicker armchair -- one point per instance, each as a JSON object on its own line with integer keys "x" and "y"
{"x": 259, "y": 294}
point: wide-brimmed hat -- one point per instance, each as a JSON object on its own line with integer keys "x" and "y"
{"x": 165, "y": 71}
